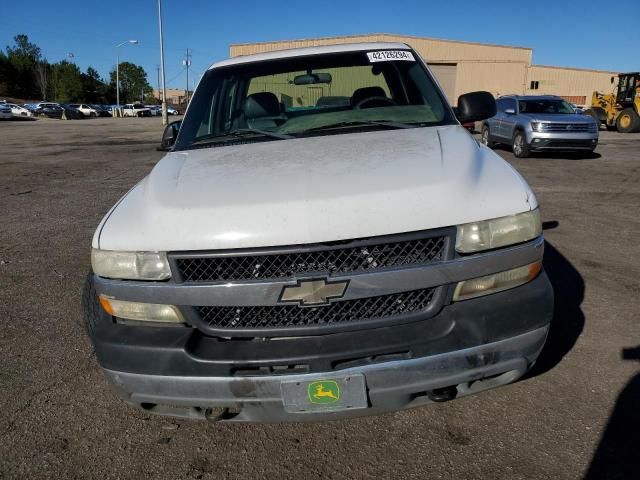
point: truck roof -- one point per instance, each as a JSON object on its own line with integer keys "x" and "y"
{"x": 298, "y": 52}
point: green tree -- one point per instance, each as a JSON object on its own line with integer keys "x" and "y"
{"x": 7, "y": 75}
{"x": 24, "y": 57}
{"x": 133, "y": 82}
{"x": 93, "y": 86}
{"x": 67, "y": 82}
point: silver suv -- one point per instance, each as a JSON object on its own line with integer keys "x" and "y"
{"x": 533, "y": 123}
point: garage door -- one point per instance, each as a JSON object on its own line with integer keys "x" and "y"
{"x": 446, "y": 75}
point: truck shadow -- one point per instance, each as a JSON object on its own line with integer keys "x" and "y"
{"x": 617, "y": 454}
{"x": 568, "y": 319}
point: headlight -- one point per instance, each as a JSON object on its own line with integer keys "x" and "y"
{"x": 142, "y": 312}
{"x": 497, "y": 282}
{"x": 536, "y": 126}
{"x": 130, "y": 265}
{"x": 498, "y": 232}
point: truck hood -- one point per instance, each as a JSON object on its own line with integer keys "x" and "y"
{"x": 560, "y": 118}
{"x": 315, "y": 189}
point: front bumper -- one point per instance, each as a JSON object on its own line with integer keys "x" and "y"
{"x": 471, "y": 345}
{"x": 390, "y": 386}
{"x": 562, "y": 141}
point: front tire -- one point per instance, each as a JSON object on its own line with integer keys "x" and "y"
{"x": 520, "y": 145}
{"x": 628, "y": 121}
{"x": 485, "y": 138}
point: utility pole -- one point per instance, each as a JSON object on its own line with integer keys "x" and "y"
{"x": 165, "y": 118}
{"x": 158, "y": 74}
{"x": 187, "y": 62}
{"x": 132, "y": 42}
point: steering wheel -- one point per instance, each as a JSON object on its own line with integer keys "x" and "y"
{"x": 378, "y": 100}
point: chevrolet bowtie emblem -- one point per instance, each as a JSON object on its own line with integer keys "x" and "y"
{"x": 313, "y": 292}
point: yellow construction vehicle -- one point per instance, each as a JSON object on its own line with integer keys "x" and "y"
{"x": 619, "y": 110}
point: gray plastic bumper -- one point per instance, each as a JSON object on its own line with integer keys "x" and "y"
{"x": 390, "y": 386}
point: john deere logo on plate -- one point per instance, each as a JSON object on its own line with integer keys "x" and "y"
{"x": 323, "y": 391}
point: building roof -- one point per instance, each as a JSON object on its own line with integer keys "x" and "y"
{"x": 298, "y": 52}
{"x": 577, "y": 69}
{"x": 393, "y": 35}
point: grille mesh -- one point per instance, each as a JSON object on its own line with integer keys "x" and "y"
{"x": 291, "y": 316}
{"x": 342, "y": 259}
{"x": 568, "y": 127}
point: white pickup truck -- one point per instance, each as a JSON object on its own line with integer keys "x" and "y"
{"x": 135, "y": 110}
{"x": 323, "y": 240}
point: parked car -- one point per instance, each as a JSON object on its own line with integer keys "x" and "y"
{"x": 535, "y": 123}
{"x": 48, "y": 109}
{"x": 19, "y": 111}
{"x": 135, "y": 110}
{"x": 319, "y": 263}
{"x": 5, "y": 111}
{"x": 102, "y": 110}
{"x": 72, "y": 113}
{"x": 173, "y": 111}
{"x": 86, "y": 110}
{"x": 156, "y": 110}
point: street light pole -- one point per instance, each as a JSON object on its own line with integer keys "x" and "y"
{"x": 133, "y": 42}
{"x": 165, "y": 118}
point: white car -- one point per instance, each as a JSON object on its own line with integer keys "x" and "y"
{"x": 19, "y": 111}
{"x": 86, "y": 110}
{"x": 296, "y": 259}
{"x": 135, "y": 110}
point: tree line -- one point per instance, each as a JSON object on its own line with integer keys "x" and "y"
{"x": 26, "y": 74}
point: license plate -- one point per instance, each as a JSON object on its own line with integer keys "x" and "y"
{"x": 330, "y": 394}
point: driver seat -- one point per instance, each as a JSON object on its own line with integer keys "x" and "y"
{"x": 263, "y": 111}
{"x": 366, "y": 92}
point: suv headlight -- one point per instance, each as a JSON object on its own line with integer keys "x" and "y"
{"x": 498, "y": 232}
{"x": 130, "y": 265}
{"x": 536, "y": 126}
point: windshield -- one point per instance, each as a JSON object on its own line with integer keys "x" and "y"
{"x": 545, "y": 106}
{"x": 325, "y": 94}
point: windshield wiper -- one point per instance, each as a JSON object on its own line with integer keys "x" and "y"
{"x": 359, "y": 123}
{"x": 239, "y": 133}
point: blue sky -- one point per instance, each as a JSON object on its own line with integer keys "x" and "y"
{"x": 572, "y": 33}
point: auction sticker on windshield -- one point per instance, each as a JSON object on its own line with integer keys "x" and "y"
{"x": 390, "y": 55}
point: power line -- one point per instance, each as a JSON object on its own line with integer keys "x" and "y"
{"x": 179, "y": 73}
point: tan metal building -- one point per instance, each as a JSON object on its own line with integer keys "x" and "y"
{"x": 463, "y": 67}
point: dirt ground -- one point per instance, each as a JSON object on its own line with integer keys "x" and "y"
{"x": 576, "y": 415}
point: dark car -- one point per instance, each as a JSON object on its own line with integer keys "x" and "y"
{"x": 101, "y": 110}
{"x": 50, "y": 110}
{"x": 72, "y": 113}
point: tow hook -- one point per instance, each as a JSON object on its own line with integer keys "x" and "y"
{"x": 217, "y": 414}
{"x": 442, "y": 394}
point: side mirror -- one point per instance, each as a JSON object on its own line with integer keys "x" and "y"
{"x": 475, "y": 106}
{"x": 169, "y": 136}
{"x": 509, "y": 111}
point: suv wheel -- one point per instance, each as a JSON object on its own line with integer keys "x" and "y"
{"x": 485, "y": 139}
{"x": 520, "y": 147}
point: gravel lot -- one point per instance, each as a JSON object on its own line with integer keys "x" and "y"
{"x": 59, "y": 418}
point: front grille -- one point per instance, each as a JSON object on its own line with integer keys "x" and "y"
{"x": 293, "y": 316}
{"x": 350, "y": 257}
{"x": 567, "y": 127}
{"x": 586, "y": 144}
